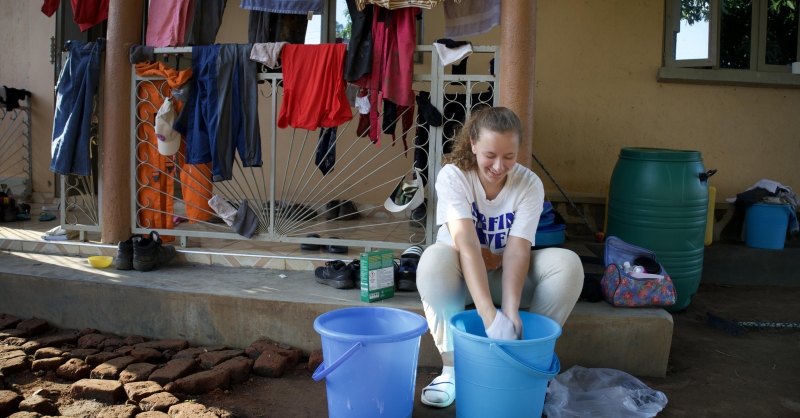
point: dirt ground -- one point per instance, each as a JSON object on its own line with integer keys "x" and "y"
{"x": 711, "y": 373}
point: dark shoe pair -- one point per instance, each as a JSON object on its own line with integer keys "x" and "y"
{"x": 336, "y": 249}
{"x": 339, "y": 275}
{"x": 345, "y": 210}
{"x": 143, "y": 253}
{"x": 405, "y": 277}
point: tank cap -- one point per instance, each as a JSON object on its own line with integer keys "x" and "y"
{"x": 660, "y": 154}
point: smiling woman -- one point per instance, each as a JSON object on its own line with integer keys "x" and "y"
{"x": 489, "y": 208}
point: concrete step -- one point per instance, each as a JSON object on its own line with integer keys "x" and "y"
{"x": 217, "y": 305}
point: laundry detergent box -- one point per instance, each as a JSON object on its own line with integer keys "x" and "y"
{"x": 377, "y": 275}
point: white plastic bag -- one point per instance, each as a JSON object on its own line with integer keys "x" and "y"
{"x": 582, "y": 392}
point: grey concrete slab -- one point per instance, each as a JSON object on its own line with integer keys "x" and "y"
{"x": 210, "y": 305}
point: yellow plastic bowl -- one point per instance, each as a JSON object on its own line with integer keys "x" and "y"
{"x": 100, "y": 261}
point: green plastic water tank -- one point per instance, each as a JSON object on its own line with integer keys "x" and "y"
{"x": 658, "y": 200}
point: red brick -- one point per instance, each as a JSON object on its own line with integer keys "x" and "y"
{"x": 15, "y": 341}
{"x": 13, "y": 362}
{"x": 270, "y": 364}
{"x": 30, "y": 347}
{"x": 161, "y": 345}
{"x": 9, "y": 321}
{"x": 59, "y": 338}
{"x": 97, "y": 359}
{"x": 174, "y": 370}
{"x": 34, "y": 326}
{"x": 153, "y": 414}
{"x": 74, "y": 369}
{"x": 293, "y": 354}
{"x": 80, "y": 353}
{"x": 87, "y": 331}
{"x": 48, "y": 364}
{"x": 109, "y": 343}
{"x": 209, "y": 360}
{"x": 39, "y": 405}
{"x": 190, "y": 410}
{"x": 48, "y": 352}
{"x": 119, "y": 411}
{"x": 315, "y": 360}
{"x": 203, "y": 382}
{"x": 125, "y": 350}
{"x": 103, "y": 391}
{"x": 137, "y": 372}
{"x": 158, "y": 402}
{"x": 133, "y": 340}
{"x": 9, "y": 402}
{"x": 139, "y": 390}
{"x": 13, "y": 333}
{"x": 146, "y": 355}
{"x": 91, "y": 340}
{"x": 238, "y": 368}
{"x": 111, "y": 369}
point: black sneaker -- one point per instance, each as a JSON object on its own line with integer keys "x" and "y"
{"x": 148, "y": 253}
{"x": 355, "y": 272}
{"x": 335, "y": 274}
{"x": 332, "y": 209}
{"x": 406, "y": 276}
{"x": 125, "y": 253}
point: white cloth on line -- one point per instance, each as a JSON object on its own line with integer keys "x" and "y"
{"x": 267, "y": 53}
{"x": 467, "y": 18}
{"x": 225, "y": 210}
{"x": 362, "y": 104}
{"x": 453, "y": 55}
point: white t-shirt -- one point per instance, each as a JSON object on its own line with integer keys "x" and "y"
{"x": 515, "y": 211}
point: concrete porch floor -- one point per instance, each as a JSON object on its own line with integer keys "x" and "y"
{"x": 235, "y": 306}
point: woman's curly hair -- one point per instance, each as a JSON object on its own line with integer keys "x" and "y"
{"x": 496, "y": 119}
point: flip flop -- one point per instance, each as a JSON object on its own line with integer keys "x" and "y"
{"x": 46, "y": 216}
{"x": 337, "y": 248}
{"x": 440, "y": 385}
{"x": 312, "y": 247}
{"x": 23, "y": 217}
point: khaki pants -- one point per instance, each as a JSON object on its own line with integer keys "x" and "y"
{"x": 555, "y": 280}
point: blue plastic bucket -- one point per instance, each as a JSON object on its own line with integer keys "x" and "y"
{"x": 766, "y": 225}
{"x": 550, "y": 235}
{"x": 546, "y": 219}
{"x": 370, "y": 361}
{"x": 498, "y": 378}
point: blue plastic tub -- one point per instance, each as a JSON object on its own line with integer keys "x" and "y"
{"x": 766, "y": 225}
{"x": 497, "y": 378}
{"x": 370, "y": 361}
{"x": 550, "y": 235}
{"x": 546, "y": 219}
{"x": 547, "y": 207}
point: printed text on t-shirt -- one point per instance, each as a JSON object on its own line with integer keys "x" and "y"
{"x": 492, "y": 231}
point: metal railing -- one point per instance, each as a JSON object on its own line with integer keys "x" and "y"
{"x": 16, "y": 171}
{"x": 289, "y": 196}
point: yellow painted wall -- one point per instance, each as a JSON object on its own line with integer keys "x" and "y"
{"x": 25, "y": 50}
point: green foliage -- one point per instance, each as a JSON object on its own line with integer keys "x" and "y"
{"x": 694, "y": 11}
{"x": 345, "y": 31}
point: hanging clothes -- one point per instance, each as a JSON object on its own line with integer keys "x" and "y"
{"x": 266, "y": 27}
{"x": 206, "y": 20}
{"x": 76, "y": 89}
{"x": 89, "y": 13}
{"x": 470, "y": 18}
{"x": 50, "y": 7}
{"x": 267, "y": 53}
{"x": 167, "y": 22}
{"x": 325, "y": 155}
{"x": 452, "y": 52}
{"x": 295, "y": 7}
{"x": 221, "y": 116}
{"x": 359, "y": 50}
{"x": 398, "y": 4}
{"x": 313, "y": 87}
{"x": 155, "y": 172}
{"x": 13, "y": 96}
{"x": 393, "y": 112}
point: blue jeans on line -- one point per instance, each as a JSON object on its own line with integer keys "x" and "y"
{"x": 77, "y": 86}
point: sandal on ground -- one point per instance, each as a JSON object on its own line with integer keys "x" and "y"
{"x": 440, "y": 384}
{"x": 311, "y": 247}
{"x": 337, "y": 249}
{"x": 46, "y": 216}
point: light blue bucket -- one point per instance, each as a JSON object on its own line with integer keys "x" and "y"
{"x": 499, "y": 378}
{"x": 766, "y": 225}
{"x": 370, "y": 361}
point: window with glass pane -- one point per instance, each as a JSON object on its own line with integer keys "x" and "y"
{"x": 736, "y": 20}
{"x": 691, "y": 41}
{"x": 344, "y": 24}
{"x": 781, "y": 32}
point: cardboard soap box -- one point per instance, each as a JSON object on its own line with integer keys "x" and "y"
{"x": 377, "y": 275}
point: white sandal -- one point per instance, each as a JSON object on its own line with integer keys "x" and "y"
{"x": 440, "y": 384}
